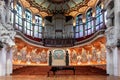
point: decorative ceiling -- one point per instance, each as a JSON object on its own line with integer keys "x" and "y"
{"x": 50, "y": 7}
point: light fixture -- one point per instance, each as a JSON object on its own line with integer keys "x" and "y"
{"x": 74, "y": 23}
{"x": 84, "y": 20}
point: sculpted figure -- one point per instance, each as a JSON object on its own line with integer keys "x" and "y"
{"x": 24, "y": 53}
{"x": 109, "y": 22}
{"x": 84, "y": 56}
{"x": 43, "y": 56}
{"x": 33, "y": 55}
{"x": 74, "y": 56}
{"x": 103, "y": 52}
{"x": 94, "y": 55}
{"x": 7, "y": 32}
{"x": 2, "y": 12}
{"x": 98, "y": 55}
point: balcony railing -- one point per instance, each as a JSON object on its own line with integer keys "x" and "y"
{"x": 58, "y": 42}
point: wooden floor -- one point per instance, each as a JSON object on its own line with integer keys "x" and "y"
{"x": 59, "y": 77}
{"x": 42, "y": 70}
{"x": 40, "y": 73}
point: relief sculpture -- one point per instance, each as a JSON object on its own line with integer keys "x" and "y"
{"x": 110, "y": 34}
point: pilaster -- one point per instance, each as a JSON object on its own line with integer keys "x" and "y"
{"x": 109, "y": 60}
{"x": 3, "y": 61}
{"x": 9, "y": 61}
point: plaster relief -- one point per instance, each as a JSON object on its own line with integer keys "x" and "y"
{"x": 110, "y": 35}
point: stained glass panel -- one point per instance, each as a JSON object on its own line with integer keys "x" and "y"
{"x": 38, "y": 28}
{"x": 35, "y": 31}
{"x": 77, "y": 35}
{"x": 28, "y": 22}
{"x": 18, "y": 17}
{"x": 99, "y": 17}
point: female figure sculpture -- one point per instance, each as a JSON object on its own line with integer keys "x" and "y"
{"x": 2, "y": 12}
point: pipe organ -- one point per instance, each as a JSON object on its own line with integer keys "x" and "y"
{"x": 58, "y": 32}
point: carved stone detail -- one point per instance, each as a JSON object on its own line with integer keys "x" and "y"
{"x": 110, "y": 35}
{"x": 118, "y": 43}
{"x": 109, "y": 49}
{"x": 7, "y": 32}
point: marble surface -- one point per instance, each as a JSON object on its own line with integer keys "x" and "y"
{"x": 59, "y": 77}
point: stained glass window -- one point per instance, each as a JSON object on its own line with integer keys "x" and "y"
{"x": 99, "y": 17}
{"x": 79, "y": 26}
{"x": 19, "y": 17}
{"x": 89, "y": 26}
{"x": 28, "y": 23}
{"x": 38, "y": 27}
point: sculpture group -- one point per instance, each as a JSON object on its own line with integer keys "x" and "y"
{"x": 7, "y": 32}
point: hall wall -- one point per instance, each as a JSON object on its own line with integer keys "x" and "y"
{"x": 91, "y": 54}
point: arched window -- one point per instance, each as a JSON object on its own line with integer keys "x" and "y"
{"x": 79, "y": 26}
{"x": 89, "y": 26}
{"x": 19, "y": 17}
{"x": 99, "y": 17}
{"x": 38, "y": 27}
{"x": 28, "y": 23}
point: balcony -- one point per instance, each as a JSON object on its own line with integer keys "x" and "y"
{"x": 58, "y": 42}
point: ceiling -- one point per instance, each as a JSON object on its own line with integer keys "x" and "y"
{"x": 50, "y": 7}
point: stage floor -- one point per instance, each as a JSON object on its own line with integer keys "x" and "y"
{"x": 43, "y": 70}
{"x": 40, "y": 73}
{"x": 60, "y": 77}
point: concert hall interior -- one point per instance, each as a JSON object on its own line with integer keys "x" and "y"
{"x": 59, "y": 39}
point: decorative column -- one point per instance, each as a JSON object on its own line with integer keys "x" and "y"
{"x": 109, "y": 60}
{"x": 111, "y": 48}
{"x": 7, "y": 40}
{"x": 116, "y": 63}
{"x": 113, "y": 61}
{"x": 117, "y": 32}
{"x": 9, "y": 65}
{"x": 112, "y": 31}
{"x": 3, "y": 61}
{"x": 6, "y": 66}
